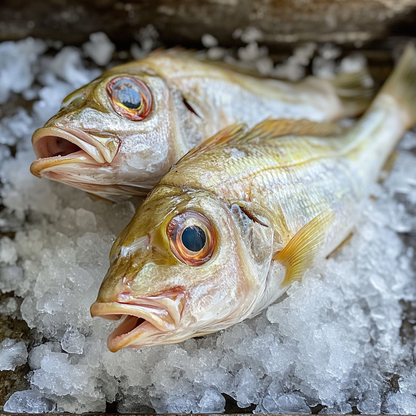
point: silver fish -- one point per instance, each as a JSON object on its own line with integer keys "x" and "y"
{"x": 120, "y": 134}
{"x": 243, "y": 215}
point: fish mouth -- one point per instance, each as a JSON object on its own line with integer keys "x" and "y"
{"x": 145, "y": 320}
{"x": 55, "y": 146}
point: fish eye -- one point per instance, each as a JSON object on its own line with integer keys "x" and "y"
{"x": 194, "y": 238}
{"x": 130, "y": 97}
{"x": 191, "y": 238}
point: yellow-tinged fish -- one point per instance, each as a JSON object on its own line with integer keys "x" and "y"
{"x": 120, "y": 134}
{"x": 243, "y": 215}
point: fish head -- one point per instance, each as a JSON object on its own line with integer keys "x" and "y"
{"x": 184, "y": 267}
{"x": 117, "y": 135}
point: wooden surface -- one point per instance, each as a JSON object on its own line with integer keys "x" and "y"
{"x": 185, "y": 21}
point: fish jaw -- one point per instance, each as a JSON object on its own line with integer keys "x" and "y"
{"x": 54, "y": 146}
{"x": 147, "y": 318}
{"x": 82, "y": 160}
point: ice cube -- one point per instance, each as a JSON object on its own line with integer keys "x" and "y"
{"x": 12, "y": 354}
{"x": 10, "y": 276}
{"x": 99, "y": 48}
{"x": 67, "y": 64}
{"x": 85, "y": 220}
{"x": 211, "y": 402}
{"x": 73, "y": 341}
{"x": 209, "y": 41}
{"x": 37, "y": 353}
{"x": 9, "y": 306}
{"x": 290, "y": 403}
{"x": 29, "y": 401}
{"x": 17, "y": 65}
{"x": 399, "y": 404}
{"x": 8, "y": 252}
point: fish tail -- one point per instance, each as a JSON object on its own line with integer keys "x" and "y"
{"x": 355, "y": 90}
{"x": 401, "y": 85}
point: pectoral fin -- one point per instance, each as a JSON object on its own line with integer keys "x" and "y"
{"x": 299, "y": 254}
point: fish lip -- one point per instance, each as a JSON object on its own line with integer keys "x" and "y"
{"x": 122, "y": 337}
{"x": 92, "y": 149}
{"x": 42, "y": 166}
{"x": 158, "y": 314}
{"x": 128, "y": 333}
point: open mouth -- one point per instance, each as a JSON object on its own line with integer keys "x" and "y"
{"x": 55, "y": 146}
{"x": 142, "y": 323}
{"x": 129, "y": 324}
{"x": 130, "y": 333}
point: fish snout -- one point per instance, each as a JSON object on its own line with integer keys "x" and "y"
{"x": 113, "y": 287}
{"x": 145, "y": 317}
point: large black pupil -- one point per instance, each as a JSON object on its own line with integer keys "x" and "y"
{"x": 129, "y": 97}
{"x": 194, "y": 238}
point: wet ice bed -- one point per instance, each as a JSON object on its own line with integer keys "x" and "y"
{"x": 341, "y": 340}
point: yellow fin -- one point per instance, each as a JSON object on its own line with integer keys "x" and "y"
{"x": 226, "y": 135}
{"x": 267, "y": 129}
{"x": 300, "y": 252}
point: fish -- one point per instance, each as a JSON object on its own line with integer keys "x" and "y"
{"x": 244, "y": 215}
{"x": 117, "y": 136}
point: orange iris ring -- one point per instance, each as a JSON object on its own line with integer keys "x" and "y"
{"x": 175, "y": 229}
{"x": 132, "y": 114}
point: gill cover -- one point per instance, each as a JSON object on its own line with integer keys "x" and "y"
{"x": 257, "y": 236}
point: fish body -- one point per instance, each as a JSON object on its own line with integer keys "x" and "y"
{"x": 243, "y": 215}
{"x": 120, "y": 134}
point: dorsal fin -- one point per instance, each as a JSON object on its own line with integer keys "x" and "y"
{"x": 226, "y": 135}
{"x": 267, "y": 129}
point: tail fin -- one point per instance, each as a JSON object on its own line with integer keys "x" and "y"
{"x": 355, "y": 90}
{"x": 401, "y": 84}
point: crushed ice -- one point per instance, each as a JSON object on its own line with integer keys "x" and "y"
{"x": 99, "y": 48}
{"x": 12, "y": 354}
{"x": 335, "y": 341}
